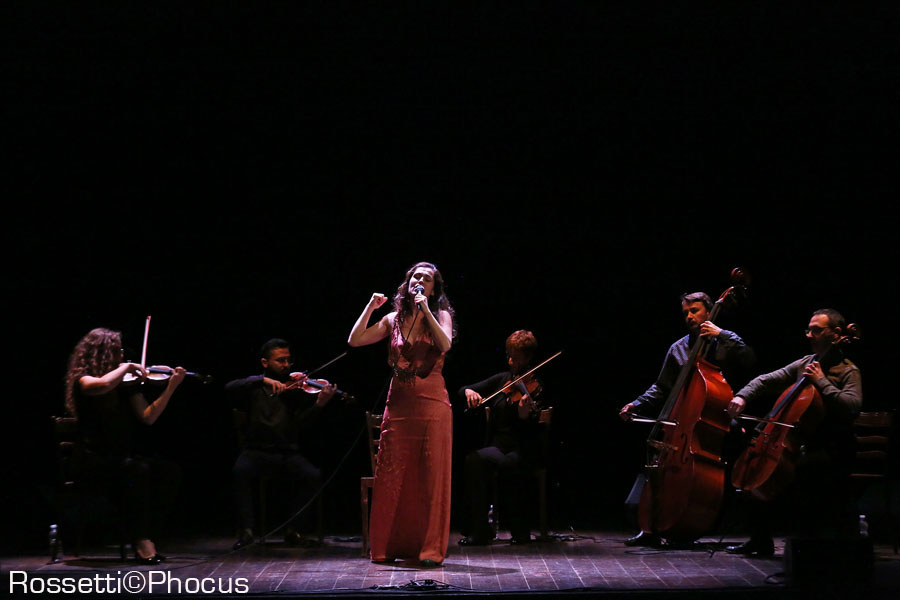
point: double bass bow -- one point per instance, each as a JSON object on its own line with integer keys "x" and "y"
{"x": 684, "y": 468}
{"x": 767, "y": 464}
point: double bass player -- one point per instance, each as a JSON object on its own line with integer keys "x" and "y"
{"x": 726, "y": 350}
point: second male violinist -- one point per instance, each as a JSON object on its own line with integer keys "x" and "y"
{"x": 512, "y": 450}
{"x": 727, "y": 350}
{"x": 276, "y": 417}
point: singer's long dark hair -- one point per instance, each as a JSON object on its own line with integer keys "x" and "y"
{"x": 438, "y": 301}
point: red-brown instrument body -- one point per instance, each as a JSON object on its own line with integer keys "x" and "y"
{"x": 686, "y": 480}
{"x": 767, "y": 465}
{"x": 685, "y": 469}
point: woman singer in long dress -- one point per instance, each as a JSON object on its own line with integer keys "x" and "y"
{"x": 410, "y": 515}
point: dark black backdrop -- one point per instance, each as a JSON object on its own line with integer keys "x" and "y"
{"x": 247, "y": 170}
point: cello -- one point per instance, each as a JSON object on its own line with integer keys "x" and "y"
{"x": 767, "y": 464}
{"x": 685, "y": 471}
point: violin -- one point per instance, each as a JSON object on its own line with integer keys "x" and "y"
{"x": 516, "y": 392}
{"x": 160, "y": 373}
{"x": 157, "y": 373}
{"x": 314, "y": 386}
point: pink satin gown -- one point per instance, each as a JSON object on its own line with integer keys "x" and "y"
{"x": 410, "y": 515}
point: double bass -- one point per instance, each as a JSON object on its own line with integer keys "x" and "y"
{"x": 685, "y": 470}
{"x": 767, "y": 464}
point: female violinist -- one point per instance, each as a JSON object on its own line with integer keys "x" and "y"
{"x": 511, "y": 448}
{"x": 821, "y": 465}
{"x": 107, "y": 411}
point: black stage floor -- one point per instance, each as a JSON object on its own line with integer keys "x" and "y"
{"x": 589, "y": 563}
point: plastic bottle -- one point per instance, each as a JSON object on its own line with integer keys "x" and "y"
{"x": 863, "y": 526}
{"x": 492, "y": 521}
{"x": 55, "y": 545}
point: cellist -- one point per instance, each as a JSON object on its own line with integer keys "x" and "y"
{"x": 818, "y": 493}
{"x": 727, "y": 350}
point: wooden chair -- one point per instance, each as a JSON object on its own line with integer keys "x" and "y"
{"x": 239, "y": 418}
{"x": 373, "y": 433}
{"x": 74, "y": 492}
{"x": 872, "y": 462}
{"x": 539, "y": 473}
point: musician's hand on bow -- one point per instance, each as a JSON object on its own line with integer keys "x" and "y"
{"x": 627, "y": 412}
{"x": 736, "y": 406}
{"x": 137, "y": 370}
{"x": 708, "y": 329}
{"x": 473, "y": 398}
{"x": 275, "y": 386}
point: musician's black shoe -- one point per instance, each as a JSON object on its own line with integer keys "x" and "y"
{"x": 643, "y": 539}
{"x": 753, "y": 547}
{"x": 152, "y": 560}
{"x": 517, "y": 541}
{"x": 471, "y": 540}
{"x": 245, "y": 539}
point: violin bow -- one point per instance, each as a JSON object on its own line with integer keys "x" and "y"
{"x": 520, "y": 378}
{"x": 335, "y": 359}
{"x": 144, "y": 348}
{"x": 294, "y": 384}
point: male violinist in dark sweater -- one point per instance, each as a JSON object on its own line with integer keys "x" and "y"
{"x": 277, "y": 414}
{"x": 512, "y": 449}
{"x": 727, "y": 350}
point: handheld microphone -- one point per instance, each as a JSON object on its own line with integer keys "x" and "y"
{"x": 419, "y": 290}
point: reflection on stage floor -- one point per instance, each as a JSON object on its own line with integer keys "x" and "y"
{"x": 595, "y": 563}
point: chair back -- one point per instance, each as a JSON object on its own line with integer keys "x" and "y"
{"x": 65, "y": 435}
{"x": 873, "y": 436}
{"x": 546, "y": 416}
{"x": 373, "y": 431}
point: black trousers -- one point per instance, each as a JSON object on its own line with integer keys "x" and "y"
{"x": 148, "y": 487}
{"x": 818, "y": 503}
{"x": 512, "y": 475}
{"x": 302, "y": 476}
